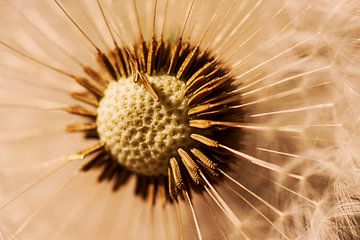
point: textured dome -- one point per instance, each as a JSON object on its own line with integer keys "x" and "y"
{"x": 143, "y": 134}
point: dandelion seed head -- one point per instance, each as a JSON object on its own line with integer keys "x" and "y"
{"x": 234, "y": 119}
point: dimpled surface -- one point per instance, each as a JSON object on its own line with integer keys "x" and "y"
{"x": 140, "y": 133}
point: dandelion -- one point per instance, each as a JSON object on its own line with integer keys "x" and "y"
{"x": 179, "y": 119}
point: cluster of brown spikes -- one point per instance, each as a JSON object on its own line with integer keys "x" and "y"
{"x": 205, "y": 79}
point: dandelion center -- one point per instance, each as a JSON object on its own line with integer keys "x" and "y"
{"x": 161, "y": 114}
{"x": 143, "y": 134}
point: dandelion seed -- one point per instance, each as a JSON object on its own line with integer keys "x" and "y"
{"x": 181, "y": 120}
